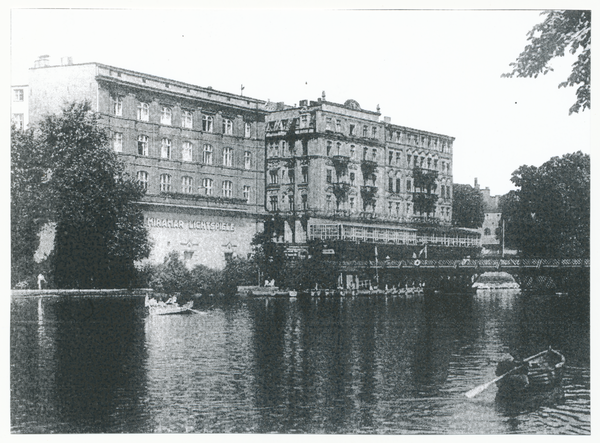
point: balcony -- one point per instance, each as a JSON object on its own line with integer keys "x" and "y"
{"x": 340, "y": 191}
{"x": 368, "y": 193}
{"x": 369, "y": 167}
{"x": 424, "y": 202}
{"x": 340, "y": 162}
{"x": 424, "y": 178}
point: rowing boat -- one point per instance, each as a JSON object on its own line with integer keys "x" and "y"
{"x": 168, "y": 308}
{"x": 544, "y": 372}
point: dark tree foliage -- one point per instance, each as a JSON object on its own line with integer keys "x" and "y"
{"x": 549, "y": 214}
{"x": 467, "y": 207}
{"x": 83, "y": 188}
{"x": 29, "y": 209}
{"x": 559, "y": 32}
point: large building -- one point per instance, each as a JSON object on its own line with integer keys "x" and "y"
{"x": 217, "y": 165}
{"x": 198, "y": 152}
{"x": 336, "y": 172}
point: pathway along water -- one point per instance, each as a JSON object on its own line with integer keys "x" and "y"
{"x": 379, "y": 365}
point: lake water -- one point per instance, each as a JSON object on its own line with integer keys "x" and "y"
{"x": 362, "y": 365}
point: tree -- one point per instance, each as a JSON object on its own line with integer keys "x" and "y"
{"x": 467, "y": 206}
{"x": 549, "y": 214}
{"x": 29, "y": 210}
{"x": 79, "y": 183}
{"x": 560, "y": 31}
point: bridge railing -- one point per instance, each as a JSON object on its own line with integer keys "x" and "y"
{"x": 485, "y": 263}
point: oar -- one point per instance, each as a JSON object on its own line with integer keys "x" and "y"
{"x": 197, "y": 312}
{"x": 479, "y": 389}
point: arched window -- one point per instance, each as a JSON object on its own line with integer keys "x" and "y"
{"x": 186, "y": 152}
{"x": 165, "y": 183}
{"x": 143, "y": 145}
{"x": 187, "y": 184}
{"x": 207, "y": 184}
{"x": 227, "y": 188}
{"x": 142, "y": 179}
{"x": 165, "y": 148}
{"x": 227, "y": 157}
{"x": 207, "y": 154}
{"x": 487, "y": 231}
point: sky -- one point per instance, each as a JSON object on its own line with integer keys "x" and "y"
{"x": 433, "y": 70}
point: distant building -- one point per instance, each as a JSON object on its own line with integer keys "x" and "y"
{"x": 19, "y": 106}
{"x": 490, "y": 242}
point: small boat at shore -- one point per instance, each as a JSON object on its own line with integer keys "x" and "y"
{"x": 169, "y": 307}
{"x": 262, "y": 291}
{"x": 535, "y": 374}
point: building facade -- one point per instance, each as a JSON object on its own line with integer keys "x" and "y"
{"x": 198, "y": 152}
{"x": 216, "y": 166}
{"x": 337, "y": 172}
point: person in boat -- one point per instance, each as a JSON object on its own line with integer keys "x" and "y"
{"x": 516, "y": 380}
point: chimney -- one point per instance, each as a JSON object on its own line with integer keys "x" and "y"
{"x": 42, "y": 61}
{"x": 66, "y": 61}
{"x": 387, "y": 119}
{"x": 476, "y": 184}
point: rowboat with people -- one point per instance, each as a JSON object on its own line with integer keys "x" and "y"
{"x": 516, "y": 377}
{"x": 170, "y": 307}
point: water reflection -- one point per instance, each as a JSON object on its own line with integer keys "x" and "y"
{"x": 308, "y": 365}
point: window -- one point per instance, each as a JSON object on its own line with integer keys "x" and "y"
{"x": 408, "y": 185}
{"x": 329, "y": 176}
{"x": 207, "y": 184}
{"x": 398, "y": 136}
{"x": 304, "y": 174}
{"x": 247, "y": 194}
{"x": 443, "y": 191}
{"x": 207, "y": 123}
{"x": 143, "y": 145}
{"x": 247, "y": 130}
{"x": 374, "y": 155}
{"x": 165, "y": 183}
{"x": 338, "y": 147}
{"x": 207, "y": 155}
{"x": 435, "y": 164}
{"x": 143, "y": 111}
{"x": 352, "y": 178}
{"x": 118, "y": 142}
{"x": 165, "y": 148}
{"x": 117, "y": 105}
{"x": 18, "y": 121}
{"x": 165, "y": 115}
{"x": 273, "y": 202}
{"x": 389, "y": 208}
{"x": 398, "y": 186}
{"x": 187, "y": 119}
{"x": 408, "y": 157}
{"x": 352, "y": 127}
{"x": 352, "y": 149}
{"x": 397, "y": 209}
{"x": 292, "y": 176}
{"x": 390, "y": 157}
{"x": 273, "y": 176}
{"x": 328, "y": 202}
{"x": 283, "y": 145}
{"x": 186, "y": 152}
{"x": 391, "y": 184}
{"x": 338, "y": 126}
{"x": 304, "y": 202}
{"x": 18, "y": 95}
{"x": 291, "y": 202}
{"x": 365, "y": 153}
{"x": 187, "y": 185}
{"x": 142, "y": 179}
{"x": 365, "y": 131}
{"x": 351, "y": 203}
{"x": 373, "y": 132}
{"x": 247, "y": 160}
{"x": 227, "y": 157}
{"x": 329, "y": 144}
{"x": 398, "y": 157}
{"x": 187, "y": 255}
{"x": 304, "y": 121}
{"x": 227, "y": 126}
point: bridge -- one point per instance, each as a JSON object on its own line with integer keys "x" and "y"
{"x": 558, "y": 275}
